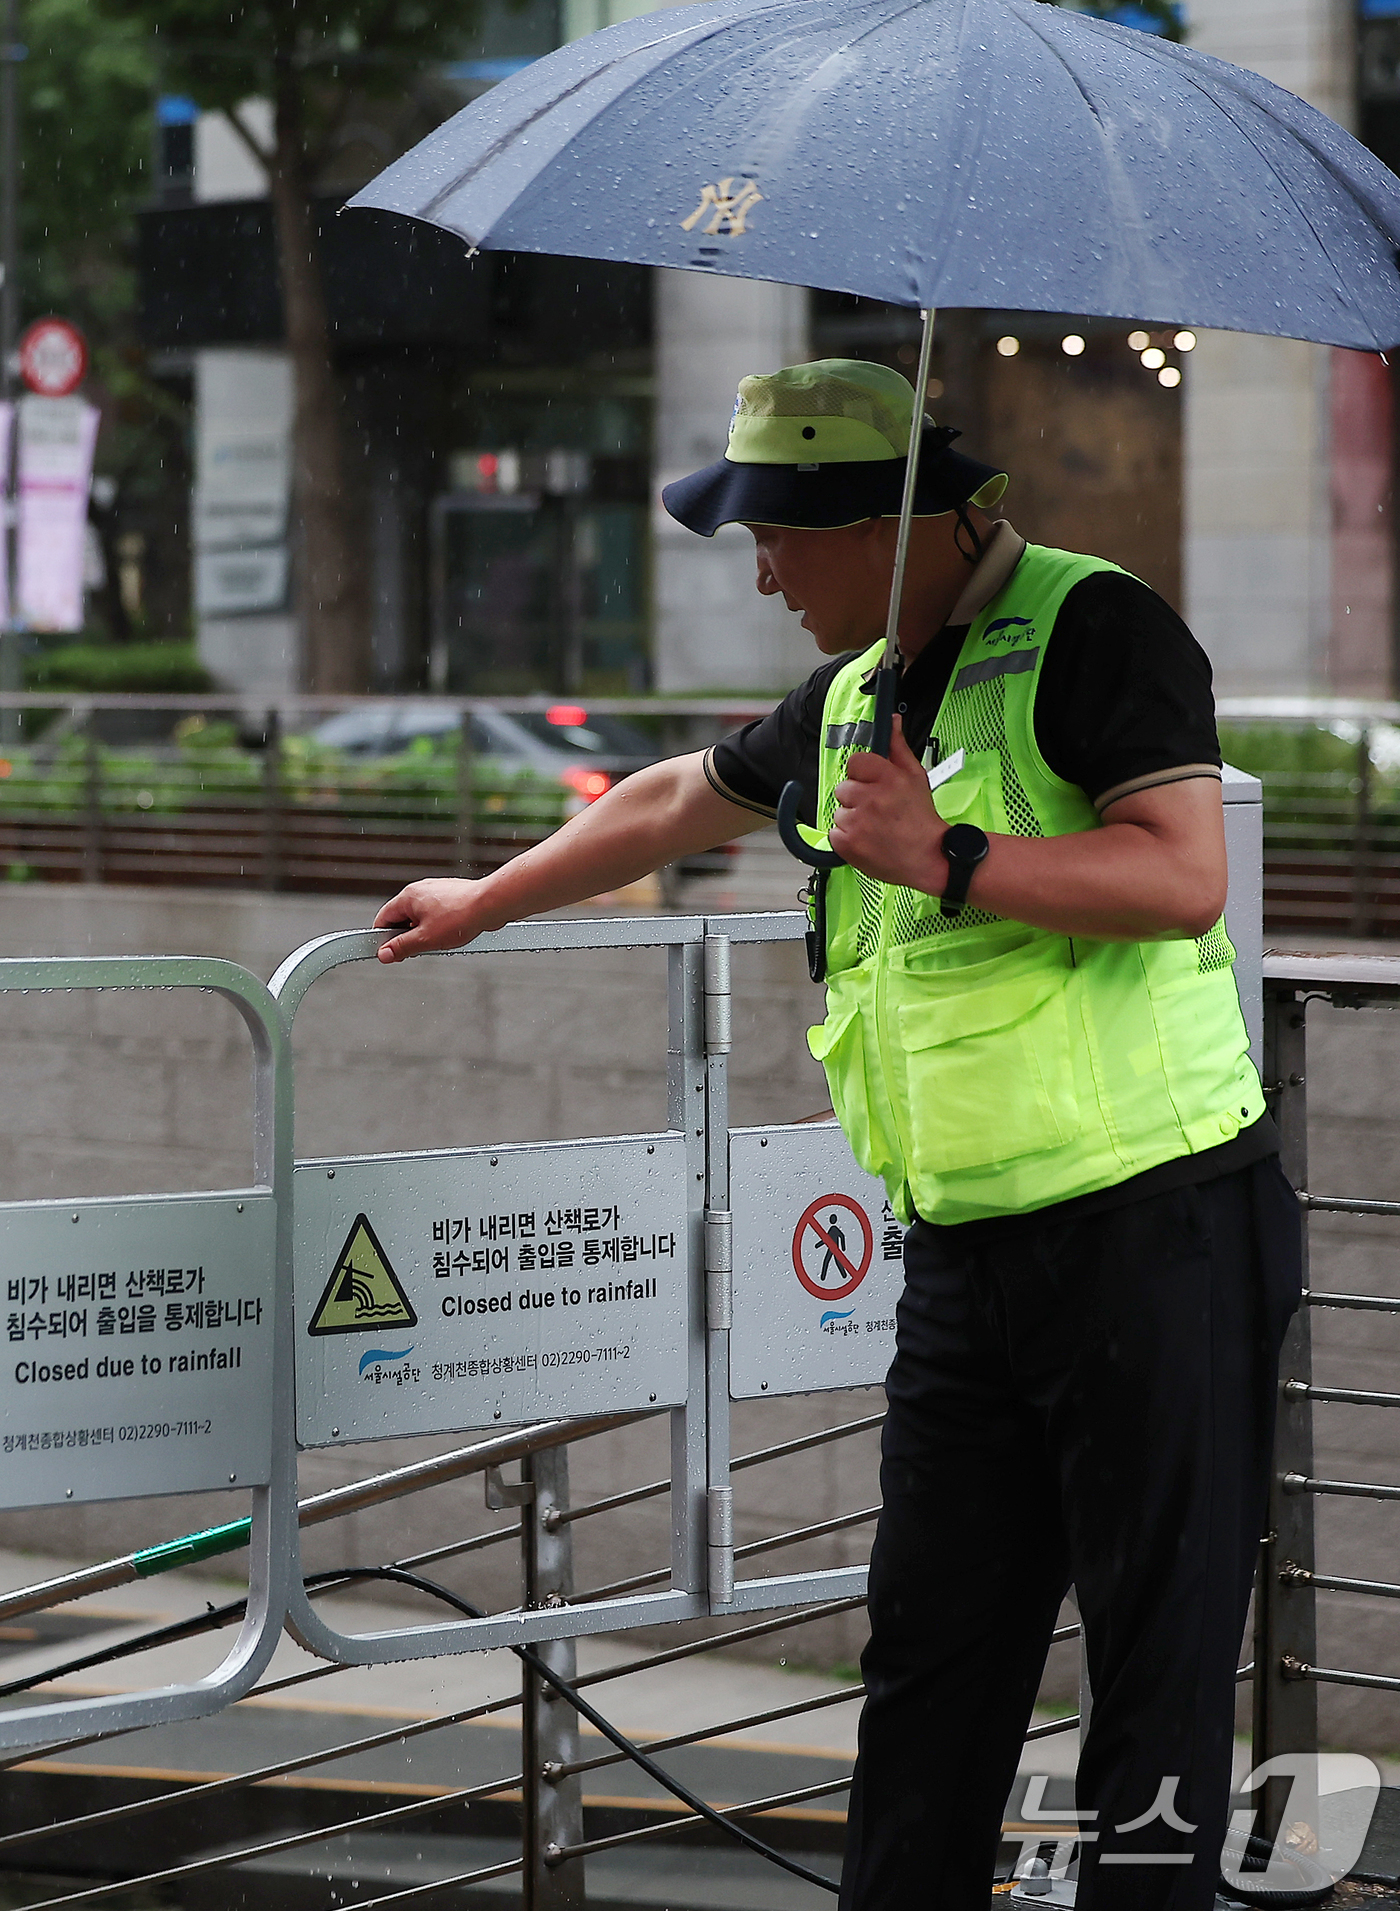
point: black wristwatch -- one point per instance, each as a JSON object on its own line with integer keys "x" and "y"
{"x": 965, "y": 846}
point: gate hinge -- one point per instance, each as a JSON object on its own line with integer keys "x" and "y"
{"x": 720, "y": 1535}
{"x": 719, "y": 1268}
{"x": 718, "y": 1002}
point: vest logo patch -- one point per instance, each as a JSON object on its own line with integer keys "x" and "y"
{"x": 1008, "y": 630}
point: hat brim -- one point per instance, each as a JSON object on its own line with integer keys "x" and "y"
{"x": 824, "y": 497}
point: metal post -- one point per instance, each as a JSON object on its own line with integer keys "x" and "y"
{"x": 549, "y": 1725}
{"x": 1361, "y": 840}
{"x": 686, "y": 1114}
{"x": 466, "y": 796}
{"x": 272, "y": 802}
{"x": 92, "y": 801}
{"x": 10, "y": 56}
{"x": 1285, "y": 1617}
{"x": 719, "y": 1263}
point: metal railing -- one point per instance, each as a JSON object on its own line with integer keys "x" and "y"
{"x": 1285, "y": 1646}
{"x": 236, "y": 791}
{"x": 1331, "y": 818}
{"x": 538, "y": 1799}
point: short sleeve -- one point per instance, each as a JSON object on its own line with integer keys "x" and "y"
{"x": 751, "y": 766}
{"x": 1124, "y": 699}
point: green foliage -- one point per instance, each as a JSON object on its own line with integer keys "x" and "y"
{"x": 148, "y": 669}
{"x": 221, "y": 52}
{"x": 1276, "y": 750}
{"x": 87, "y": 92}
{"x": 206, "y": 767}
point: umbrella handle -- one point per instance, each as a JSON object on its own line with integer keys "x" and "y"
{"x": 881, "y": 730}
{"x": 793, "y": 839}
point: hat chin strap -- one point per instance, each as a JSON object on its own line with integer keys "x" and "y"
{"x": 886, "y": 674}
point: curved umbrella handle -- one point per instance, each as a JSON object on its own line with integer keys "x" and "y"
{"x": 793, "y": 839}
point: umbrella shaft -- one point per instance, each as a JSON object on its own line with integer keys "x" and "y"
{"x": 906, "y": 509}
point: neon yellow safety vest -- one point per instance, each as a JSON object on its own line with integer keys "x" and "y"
{"x": 981, "y": 1067}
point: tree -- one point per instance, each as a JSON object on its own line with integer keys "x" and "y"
{"x": 87, "y": 90}
{"x": 314, "y": 61}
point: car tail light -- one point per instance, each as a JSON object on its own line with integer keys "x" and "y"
{"x": 566, "y": 716}
{"x": 590, "y": 784}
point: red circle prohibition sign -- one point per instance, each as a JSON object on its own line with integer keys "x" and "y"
{"x": 825, "y": 1233}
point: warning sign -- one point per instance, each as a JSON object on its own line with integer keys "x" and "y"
{"x": 832, "y": 1246}
{"x": 802, "y": 1207}
{"x": 363, "y": 1290}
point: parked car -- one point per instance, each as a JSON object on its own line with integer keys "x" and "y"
{"x": 585, "y": 751}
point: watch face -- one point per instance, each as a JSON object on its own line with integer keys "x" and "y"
{"x": 965, "y": 843}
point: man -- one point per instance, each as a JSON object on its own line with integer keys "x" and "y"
{"x": 1033, "y": 1034}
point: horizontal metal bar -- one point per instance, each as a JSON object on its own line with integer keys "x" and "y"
{"x": 799, "y": 1708}
{"x": 194, "y": 1867}
{"x": 1343, "y": 1396}
{"x": 1328, "y": 1675}
{"x": 1054, "y": 1726}
{"x": 1323, "y": 1582}
{"x": 641, "y": 1833}
{"x": 1350, "y": 1489}
{"x": 718, "y": 1641}
{"x": 305, "y": 703}
{"x": 502, "y": 1870}
{"x": 749, "y": 1551}
{"x": 318, "y": 1508}
{"x": 800, "y": 1533}
{"x": 791, "y": 1589}
{"x": 1365, "y": 1303}
{"x": 759, "y": 1458}
{"x": 262, "y": 1775}
{"x": 1375, "y": 976}
{"x": 1345, "y": 1204}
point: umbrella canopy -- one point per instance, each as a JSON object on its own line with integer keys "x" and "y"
{"x": 986, "y": 153}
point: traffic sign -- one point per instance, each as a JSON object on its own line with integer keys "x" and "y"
{"x": 53, "y": 358}
{"x": 832, "y": 1245}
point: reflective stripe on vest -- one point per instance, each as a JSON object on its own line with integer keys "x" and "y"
{"x": 982, "y": 1067}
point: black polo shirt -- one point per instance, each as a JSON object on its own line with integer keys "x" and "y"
{"x": 1123, "y": 703}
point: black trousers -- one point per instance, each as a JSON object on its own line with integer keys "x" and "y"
{"x": 1091, "y": 1403}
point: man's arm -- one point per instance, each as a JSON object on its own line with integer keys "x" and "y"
{"x": 661, "y": 813}
{"x": 1155, "y": 869}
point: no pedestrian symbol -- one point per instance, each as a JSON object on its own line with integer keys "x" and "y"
{"x": 363, "y": 1290}
{"x": 832, "y": 1247}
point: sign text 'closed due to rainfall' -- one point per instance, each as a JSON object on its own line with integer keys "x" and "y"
{"x": 138, "y": 1347}
{"x": 485, "y": 1287}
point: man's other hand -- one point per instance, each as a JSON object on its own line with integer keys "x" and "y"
{"x": 886, "y": 825}
{"x": 438, "y": 913}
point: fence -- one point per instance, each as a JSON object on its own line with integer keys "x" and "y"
{"x": 232, "y": 792}
{"x": 1331, "y": 832}
{"x": 709, "y": 1254}
{"x": 199, "y": 790}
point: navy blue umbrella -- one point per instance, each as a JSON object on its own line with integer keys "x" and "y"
{"x": 993, "y": 153}
{"x": 996, "y": 153}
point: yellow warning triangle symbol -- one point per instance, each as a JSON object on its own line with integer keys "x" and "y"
{"x": 363, "y": 1290}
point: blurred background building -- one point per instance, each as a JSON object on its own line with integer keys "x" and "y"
{"x": 511, "y": 419}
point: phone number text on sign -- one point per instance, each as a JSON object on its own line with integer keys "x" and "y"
{"x": 483, "y": 1287}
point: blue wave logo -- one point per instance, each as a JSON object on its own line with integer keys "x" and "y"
{"x": 384, "y": 1353}
{"x": 829, "y": 1315}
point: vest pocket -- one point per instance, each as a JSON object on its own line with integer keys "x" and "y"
{"x": 838, "y": 1044}
{"x": 990, "y": 1075}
